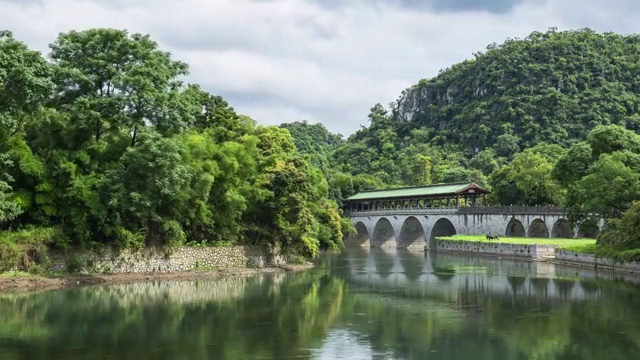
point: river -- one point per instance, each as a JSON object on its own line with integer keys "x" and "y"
{"x": 356, "y": 305}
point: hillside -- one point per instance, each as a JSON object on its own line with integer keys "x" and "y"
{"x": 549, "y": 87}
{"x": 315, "y": 141}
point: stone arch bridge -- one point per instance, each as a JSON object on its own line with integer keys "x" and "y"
{"x": 417, "y": 228}
{"x": 413, "y": 217}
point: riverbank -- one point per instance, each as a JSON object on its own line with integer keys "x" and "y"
{"x": 10, "y": 282}
{"x": 574, "y": 252}
{"x": 595, "y": 261}
{"x": 528, "y": 248}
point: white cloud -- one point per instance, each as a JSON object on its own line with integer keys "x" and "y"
{"x": 294, "y": 59}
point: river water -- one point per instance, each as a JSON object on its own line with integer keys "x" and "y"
{"x": 356, "y": 305}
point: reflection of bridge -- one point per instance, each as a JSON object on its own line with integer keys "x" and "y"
{"x": 406, "y": 218}
{"x": 444, "y": 276}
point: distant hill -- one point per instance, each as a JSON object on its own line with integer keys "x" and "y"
{"x": 545, "y": 92}
{"x": 549, "y": 87}
{"x": 315, "y": 141}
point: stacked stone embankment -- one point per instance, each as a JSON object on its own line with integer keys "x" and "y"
{"x": 497, "y": 248}
{"x": 162, "y": 261}
{"x": 591, "y": 260}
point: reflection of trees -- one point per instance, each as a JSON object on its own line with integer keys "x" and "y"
{"x": 277, "y": 316}
{"x": 522, "y": 324}
{"x": 274, "y": 318}
{"x": 358, "y": 258}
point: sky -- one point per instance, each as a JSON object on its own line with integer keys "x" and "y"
{"x": 327, "y": 61}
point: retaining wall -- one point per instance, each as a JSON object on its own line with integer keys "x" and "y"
{"x": 595, "y": 261}
{"x": 510, "y": 250}
{"x": 160, "y": 261}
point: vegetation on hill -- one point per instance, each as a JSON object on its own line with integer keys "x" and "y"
{"x": 551, "y": 119}
{"x": 106, "y": 144}
{"x": 550, "y": 87}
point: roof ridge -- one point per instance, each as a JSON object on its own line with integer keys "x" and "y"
{"x": 422, "y": 186}
{"x": 448, "y": 189}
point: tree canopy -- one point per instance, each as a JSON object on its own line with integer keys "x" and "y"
{"x": 106, "y": 142}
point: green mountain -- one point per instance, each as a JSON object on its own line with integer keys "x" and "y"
{"x": 549, "y": 87}
{"x": 547, "y": 92}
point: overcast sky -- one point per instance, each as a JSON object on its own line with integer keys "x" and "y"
{"x": 323, "y": 61}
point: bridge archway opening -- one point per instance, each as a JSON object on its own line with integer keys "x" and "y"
{"x": 411, "y": 234}
{"x": 515, "y": 229}
{"x": 538, "y": 229}
{"x": 562, "y": 229}
{"x": 360, "y": 238}
{"x": 588, "y": 229}
{"x": 383, "y": 234}
{"x": 442, "y": 227}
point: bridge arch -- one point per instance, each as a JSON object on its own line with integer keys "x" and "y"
{"x": 442, "y": 227}
{"x": 411, "y": 234}
{"x": 383, "y": 234}
{"x": 538, "y": 229}
{"x": 360, "y": 238}
{"x": 588, "y": 229}
{"x": 515, "y": 229}
{"x": 562, "y": 229}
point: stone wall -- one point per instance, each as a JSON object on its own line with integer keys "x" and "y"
{"x": 161, "y": 261}
{"x": 501, "y": 249}
{"x": 591, "y": 260}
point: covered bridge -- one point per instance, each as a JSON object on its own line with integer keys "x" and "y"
{"x": 462, "y": 194}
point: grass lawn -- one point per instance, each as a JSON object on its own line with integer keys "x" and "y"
{"x": 523, "y": 241}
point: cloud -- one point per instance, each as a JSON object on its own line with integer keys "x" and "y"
{"x": 328, "y": 61}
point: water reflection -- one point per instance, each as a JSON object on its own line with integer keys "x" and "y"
{"x": 357, "y": 305}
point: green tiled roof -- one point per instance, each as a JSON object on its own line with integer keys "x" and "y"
{"x": 429, "y": 190}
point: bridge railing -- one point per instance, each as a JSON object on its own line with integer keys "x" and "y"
{"x": 475, "y": 210}
{"x": 515, "y": 210}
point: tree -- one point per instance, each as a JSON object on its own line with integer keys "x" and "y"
{"x": 146, "y": 193}
{"x": 611, "y": 138}
{"x": 526, "y": 181}
{"x": 623, "y": 233}
{"x": 288, "y": 201}
{"x": 113, "y": 82}
{"x": 606, "y": 191}
{"x": 574, "y": 164}
{"x": 25, "y": 84}
{"x": 9, "y": 209}
{"x": 214, "y": 113}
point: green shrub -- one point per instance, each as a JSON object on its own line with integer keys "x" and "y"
{"x": 75, "y": 264}
{"x": 24, "y": 248}
{"x": 297, "y": 259}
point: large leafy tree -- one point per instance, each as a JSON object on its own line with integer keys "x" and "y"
{"x": 290, "y": 207}
{"x": 112, "y": 82}
{"x": 601, "y": 174}
{"x": 526, "y": 181}
{"x": 25, "y": 85}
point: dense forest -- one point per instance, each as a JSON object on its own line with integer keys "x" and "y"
{"x": 103, "y": 144}
{"x": 551, "y": 119}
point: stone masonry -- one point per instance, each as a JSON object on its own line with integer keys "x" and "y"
{"x": 500, "y": 249}
{"x": 417, "y": 228}
{"x": 160, "y": 261}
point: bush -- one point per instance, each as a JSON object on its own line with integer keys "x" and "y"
{"x": 24, "y": 248}
{"x": 623, "y": 233}
{"x": 297, "y": 259}
{"x": 75, "y": 264}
